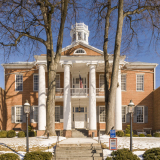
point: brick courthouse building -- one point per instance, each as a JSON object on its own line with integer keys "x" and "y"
{"x": 79, "y": 99}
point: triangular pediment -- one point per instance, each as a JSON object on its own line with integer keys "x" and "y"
{"x": 88, "y": 50}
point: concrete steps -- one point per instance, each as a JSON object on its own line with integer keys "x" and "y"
{"x": 79, "y": 133}
{"x": 78, "y": 152}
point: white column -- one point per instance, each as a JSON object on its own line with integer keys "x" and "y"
{"x": 118, "y": 107}
{"x": 92, "y": 98}
{"x": 41, "y": 99}
{"x": 67, "y": 99}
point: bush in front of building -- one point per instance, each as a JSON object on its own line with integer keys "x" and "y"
{"x": 123, "y": 154}
{"x": 156, "y": 134}
{"x": 11, "y": 134}
{"x": 150, "y": 154}
{"x": 148, "y": 135}
{"x": 135, "y": 135}
{"x": 3, "y": 134}
{"x": 141, "y": 135}
{"x": 119, "y": 133}
{"x": 127, "y": 130}
{"x": 21, "y": 134}
{"x": 32, "y": 133}
{"x": 127, "y": 135}
{"x": 9, "y": 156}
{"x": 38, "y": 155}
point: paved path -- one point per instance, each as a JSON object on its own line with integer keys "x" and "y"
{"x": 78, "y": 141}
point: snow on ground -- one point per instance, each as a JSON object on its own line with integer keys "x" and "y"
{"x": 139, "y": 144}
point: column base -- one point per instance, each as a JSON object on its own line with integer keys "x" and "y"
{"x": 40, "y": 132}
{"x": 90, "y": 133}
{"x": 67, "y": 133}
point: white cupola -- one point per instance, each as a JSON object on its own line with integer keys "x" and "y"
{"x": 79, "y": 33}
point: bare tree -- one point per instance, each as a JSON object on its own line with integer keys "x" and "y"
{"x": 34, "y": 23}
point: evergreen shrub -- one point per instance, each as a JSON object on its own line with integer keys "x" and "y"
{"x": 32, "y": 134}
{"x": 38, "y": 155}
{"x": 9, "y": 156}
{"x": 127, "y": 135}
{"x": 11, "y": 134}
{"x": 148, "y": 135}
{"x": 119, "y": 133}
{"x": 150, "y": 154}
{"x": 156, "y": 134}
{"x": 123, "y": 154}
{"x": 141, "y": 135}
{"x": 135, "y": 135}
{"x": 3, "y": 134}
{"x": 21, "y": 134}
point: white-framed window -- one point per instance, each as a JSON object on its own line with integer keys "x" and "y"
{"x": 102, "y": 114}
{"x": 140, "y": 114}
{"x": 57, "y": 80}
{"x": 35, "y": 82}
{"x": 123, "y": 114}
{"x": 35, "y": 114}
{"x": 79, "y": 35}
{"x": 19, "y": 82}
{"x": 140, "y": 82}
{"x": 123, "y": 82}
{"x": 19, "y": 114}
{"x": 57, "y": 113}
{"x": 79, "y": 51}
{"x": 101, "y": 81}
{"x": 74, "y": 37}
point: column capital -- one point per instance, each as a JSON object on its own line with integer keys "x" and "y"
{"x": 92, "y": 64}
{"x": 67, "y": 64}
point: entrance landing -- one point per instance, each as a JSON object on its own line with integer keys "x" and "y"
{"x": 78, "y": 141}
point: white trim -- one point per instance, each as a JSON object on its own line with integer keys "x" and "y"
{"x": 143, "y": 114}
{"x": 143, "y": 83}
{"x": 99, "y": 114}
{"x": 33, "y": 113}
{"x": 79, "y": 53}
{"x": 154, "y": 78}
{"x": 33, "y": 82}
{"x": 15, "y": 83}
{"x": 22, "y": 65}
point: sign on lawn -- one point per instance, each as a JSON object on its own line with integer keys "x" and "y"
{"x": 112, "y": 133}
{"x": 113, "y": 143}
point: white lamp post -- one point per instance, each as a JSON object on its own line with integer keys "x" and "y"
{"x": 27, "y": 111}
{"x": 131, "y": 110}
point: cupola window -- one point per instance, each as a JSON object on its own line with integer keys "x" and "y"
{"x": 84, "y": 36}
{"x": 80, "y": 51}
{"x": 74, "y": 37}
{"x": 79, "y": 36}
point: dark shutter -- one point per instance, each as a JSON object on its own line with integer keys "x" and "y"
{"x": 61, "y": 113}
{"x": 31, "y": 114}
{"x": 97, "y": 113}
{"x": 23, "y": 115}
{"x": 145, "y": 114}
{"x": 13, "y": 114}
{"x": 135, "y": 115}
{"x": 127, "y": 115}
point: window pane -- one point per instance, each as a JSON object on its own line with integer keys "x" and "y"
{"x": 123, "y": 82}
{"x": 19, "y": 82}
{"x": 140, "y": 81}
{"x": 36, "y": 82}
{"x": 139, "y": 114}
{"x": 102, "y": 114}
{"x": 19, "y": 113}
{"x": 101, "y": 81}
{"x": 57, "y": 114}
{"x": 79, "y": 35}
{"x": 123, "y": 114}
{"x": 35, "y": 114}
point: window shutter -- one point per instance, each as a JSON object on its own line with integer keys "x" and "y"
{"x": 13, "y": 114}
{"x": 145, "y": 114}
{"x": 61, "y": 113}
{"x": 97, "y": 113}
{"x": 135, "y": 115}
{"x": 31, "y": 115}
{"x": 24, "y": 116}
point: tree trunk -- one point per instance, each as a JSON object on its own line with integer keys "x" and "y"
{"x": 110, "y": 112}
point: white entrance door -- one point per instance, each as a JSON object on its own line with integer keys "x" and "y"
{"x": 79, "y": 120}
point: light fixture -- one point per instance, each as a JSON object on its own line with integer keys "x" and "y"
{"x": 131, "y": 107}
{"x": 26, "y": 107}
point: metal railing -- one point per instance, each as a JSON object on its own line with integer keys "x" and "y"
{"x": 79, "y": 91}
{"x": 100, "y": 92}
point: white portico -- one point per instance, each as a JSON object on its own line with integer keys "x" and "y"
{"x": 83, "y": 107}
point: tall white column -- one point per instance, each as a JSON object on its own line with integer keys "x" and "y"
{"x": 67, "y": 99}
{"x": 118, "y": 107}
{"x": 41, "y": 99}
{"x": 92, "y": 98}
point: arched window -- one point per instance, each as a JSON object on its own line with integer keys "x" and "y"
{"x": 79, "y": 51}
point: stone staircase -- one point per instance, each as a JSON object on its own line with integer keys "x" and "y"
{"x": 79, "y": 133}
{"x": 78, "y": 152}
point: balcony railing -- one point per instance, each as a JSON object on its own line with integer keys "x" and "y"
{"x": 78, "y": 91}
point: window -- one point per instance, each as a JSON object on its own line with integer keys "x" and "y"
{"x": 57, "y": 114}
{"x": 123, "y": 114}
{"x": 123, "y": 82}
{"x": 101, "y": 81}
{"x": 35, "y": 82}
{"x": 19, "y": 82}
{"x": 85, "y": 36}
{"x": 57, "y": 80}
{"x": 79, "y": 51}
{"x": 35, "y": 114}
{"x": 74, "y": 37}
{"x": 19, "y": 114}
{"x": 77, "y": 109}
{"x": 140, "y": 81}
{"x": 102, "y": 114}
{"x": 79, "y": 36}
{"x": 140, "y": 113}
